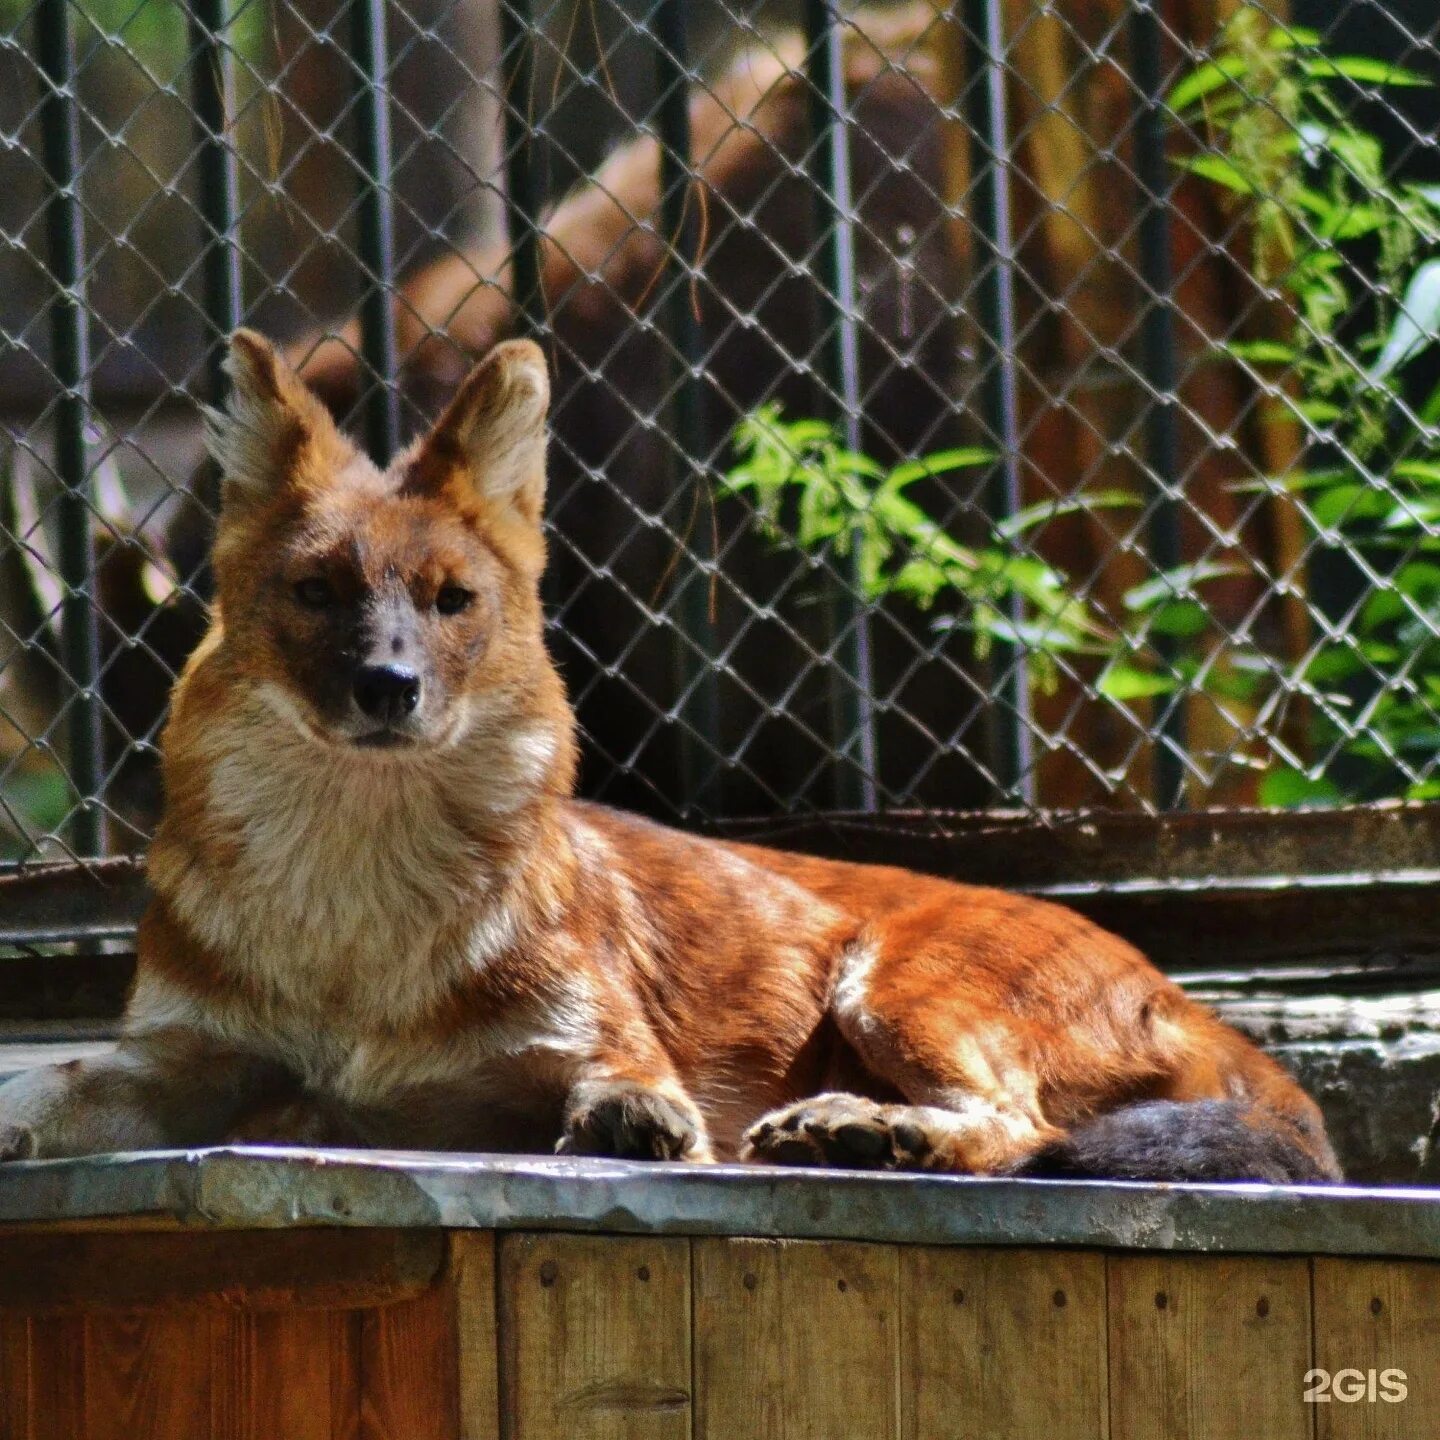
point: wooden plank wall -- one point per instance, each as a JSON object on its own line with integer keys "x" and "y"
{"x": 543, "y": 1336}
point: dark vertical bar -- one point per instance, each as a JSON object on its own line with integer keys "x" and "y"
{"x": 212, "y": 88}
{"x": 70, "y": 361}
{"x": 370, "y": 51}
{"x": 1157, "y": 344}
{"x": 698, "y": 697}
{"x": 524, "y": 183}
{"x": 852, "y": 715}
{"x": 987, "y": 118}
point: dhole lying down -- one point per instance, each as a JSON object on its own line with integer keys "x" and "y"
{"x": 379, "y": 917}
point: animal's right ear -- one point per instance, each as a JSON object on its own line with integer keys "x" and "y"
{"x": 489, "y": 445}
{"x": 271, "y": 421}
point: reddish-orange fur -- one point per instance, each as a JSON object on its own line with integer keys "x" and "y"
{"x": 443, "y": 948}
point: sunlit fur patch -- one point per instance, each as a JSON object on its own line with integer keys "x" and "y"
{"x": 852, "y": 978}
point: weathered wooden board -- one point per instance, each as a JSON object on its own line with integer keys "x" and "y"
{"x": 1208, "y": 1347}
{"x": 227, "y": 1364}
{"x": 272, "y": 1377}
{"x": 56, "y": 1408}
{"x": 81, "y": 1272}
{"x": 1003, "y": 1345}
{"x": 409, "y": 1369}
{"x": 146, "y": 1375}
{"x": 14, "y": 1377}
{"x": 595, "y": 1336}
{"x": 472, "y": 1276}
{"x": 796, "y": 1339}
{"x": 1377, "y": 1316}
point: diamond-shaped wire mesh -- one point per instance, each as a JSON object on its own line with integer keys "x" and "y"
{"x": 1043, "y": 414}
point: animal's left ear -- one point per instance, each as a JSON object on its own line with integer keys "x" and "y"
{"x": 271, "y": 424}
{"x": 491, "y": 438}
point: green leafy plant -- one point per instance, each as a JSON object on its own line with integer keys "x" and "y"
{"x": 1355, "y": 257}
{"x": 810, "y": 491}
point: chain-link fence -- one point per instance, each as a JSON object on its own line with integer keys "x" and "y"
{"x": 992, "y": 404}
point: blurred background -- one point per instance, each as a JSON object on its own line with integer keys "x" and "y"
{"x": 994, "y": 405}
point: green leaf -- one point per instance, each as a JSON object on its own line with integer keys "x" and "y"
{"x": 1238, "y": 685}
{"x": 1288, "y": 37}
{"x": 1022, "y": 520}
{"x": 1363, "y": 68}
{"x": 1380, "y": 655}
{"x": 1292, "y": 484}
{"x": 922, "y": 580}
{"x": 1383, "y": 607}
{"x": 1182, "y": 619}
{"x": 1035, "y": 637}
{"x": 1285, "y": 788}
{"x": 1414, "y": 514}
{"x": 1429, "y": 412}
{"x": 1345, "y": 504}
{"x": 1205, "y": 80}
{"x": 1320, "y": 412}
{"x": 1415, "y": 327}
{"x": 1260, "y": 352}
{"x": 854, "y": 463}
{"x": 1425, "y": 471}
{"x": 1354, "y": 222}
{"x": 1331, "y": 665}
{"x": 1418, "y": 579}
{"x": 1221, "y": 171}
{"x": 1121, "y": 681}
{"x": 965, "y": 457}
{"x": 1175, "y": 584}
{"x": 1360, "y": 152}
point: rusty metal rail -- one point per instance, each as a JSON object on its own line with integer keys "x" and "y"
{"x": 253, "y": 1188}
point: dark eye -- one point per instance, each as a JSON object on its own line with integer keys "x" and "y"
{"x": 452, "y": 599}
{"x": 315, "y": 593}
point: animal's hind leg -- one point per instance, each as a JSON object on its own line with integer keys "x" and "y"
{"x": 965, "y": 1070}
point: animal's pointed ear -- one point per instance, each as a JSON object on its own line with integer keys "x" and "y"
{"x": 269, "y": 422}
{"x": 490, "y": 442}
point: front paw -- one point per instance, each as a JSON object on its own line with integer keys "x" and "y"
{"x": 17, "y": 1142}
{"x": 626, "y": 1121}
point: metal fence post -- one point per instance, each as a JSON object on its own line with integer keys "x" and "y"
{"x": 1157, "y": 347}
{"x": 70, "y": 361}
{"x": 375, "y": 243}
{"x": 852, "y": 689}
{"x": 524, "y": 183}
{"x": 697, "y": 701}
{"x": 212, "y": 88}
{"x": 987, "y": 116}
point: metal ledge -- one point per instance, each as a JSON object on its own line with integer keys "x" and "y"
{"x": 258, "y": 1188}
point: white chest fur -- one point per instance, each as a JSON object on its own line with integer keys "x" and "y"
{"x": 343, "y": 888}
{"x": 351, "y": 890}
{"x": 354, "y": 897}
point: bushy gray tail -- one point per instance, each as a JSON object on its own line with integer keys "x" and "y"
{"x": 1186, "y": 1140}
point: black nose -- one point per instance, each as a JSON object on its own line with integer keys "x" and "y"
{"x": 387, "y": 693}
